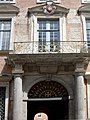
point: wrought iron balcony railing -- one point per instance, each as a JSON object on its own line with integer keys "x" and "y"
{"x": 32, "y": 47}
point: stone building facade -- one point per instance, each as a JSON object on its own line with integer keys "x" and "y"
{"x": 44, "y": 60}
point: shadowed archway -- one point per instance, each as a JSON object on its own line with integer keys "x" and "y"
{"x": 49, "y": 97}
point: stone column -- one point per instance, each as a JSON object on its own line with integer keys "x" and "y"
{"x": 80, "y": 97}
{"x": 17, "y": 102}
{"x": 88, "y": 88}
{"x": 87, "y": 76}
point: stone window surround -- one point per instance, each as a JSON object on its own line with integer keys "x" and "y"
{"x": 12, "y": 17}
{"x": 6, "y": 84}
{"x": 83, "y": 18}
{"x": 9, "y": 11}
{"x": 62, "y": 23}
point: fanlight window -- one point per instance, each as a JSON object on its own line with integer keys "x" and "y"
{"x": 47, "y": 89}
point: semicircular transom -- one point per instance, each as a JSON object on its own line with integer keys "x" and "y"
{"x": 47, "y": 89}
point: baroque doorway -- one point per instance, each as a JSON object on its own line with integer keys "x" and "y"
{"x": 48, "y": 98}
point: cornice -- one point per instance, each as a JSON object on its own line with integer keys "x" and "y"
{"x": 5, "y": 78}
{"x": 40, "y": 9}
{"x": 8, "y": 9}
{"x": 84, "y": 9}
{"x": 49, "y": 59}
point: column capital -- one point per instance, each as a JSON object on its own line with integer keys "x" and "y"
{"x": 17, "y": 70}
{"x": 79, "y": 68}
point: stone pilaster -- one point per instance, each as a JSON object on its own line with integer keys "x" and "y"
{"x": 17, "y": 103}
{"x": 80, "y": 97}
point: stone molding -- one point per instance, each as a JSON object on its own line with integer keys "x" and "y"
{"x": 79, "y": 68}
{"x": 8, "y": 8}
{"x": 35, "y": 63}
{"x": 5, "y": 78}
{"x": 17, "y": 70}
{"x": 84, "y": 9}
{"x": 50, "y": 58}
{"x": 39, "y": 9}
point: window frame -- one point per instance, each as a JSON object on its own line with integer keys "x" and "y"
{"x": 88, "y": 40}
{"x": 12, "y": 18}
{"x": 44, "y": 1}
{"x": 2, "y": 33}
{"x": 46, "y": 30}
{"x": 48, "y": 34}
{"x": 7, "y": 1}
{"x": 62, "y": 26}
{"x": 84, "y": 17}
{"x": 6, "y": 85}
{"x": 33, "y": 27}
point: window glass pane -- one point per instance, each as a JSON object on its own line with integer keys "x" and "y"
{"x": 87, "y": 24}
{"x": 0, "y": 25}
{"x": 42, "y": 25}
{"x": 48, "y": 32}
{"x": 88, "y": 28}
{"x": 7, "y": 26}
{"x": 48, "y": 28}
{"x": 54, "y": 25}
{"x": 88, "y": 31}
{"x": 5, "y": 30}
{"x": 6, "y": 41}
{"x": 42, "y": 36}
{"x": 54, "y": 36}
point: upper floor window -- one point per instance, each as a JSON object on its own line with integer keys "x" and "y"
{"x": 43, "y": 1}
{"x": 7, "y": 19}
{"x": 85, "y": 1}
{"x": 5, "y": 33}
{"x": 48, "y": 34}
{"x": 7, "y": 1}
{"x": 88, "y": 31}
{"x": 84, "y": 12}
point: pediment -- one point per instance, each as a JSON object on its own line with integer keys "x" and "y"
{"x": 8, "y": 8}
{"x": 84, "y": 9}
{"x": 56, "y": 9}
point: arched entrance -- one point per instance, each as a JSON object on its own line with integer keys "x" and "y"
{"x": 49, "y": 97}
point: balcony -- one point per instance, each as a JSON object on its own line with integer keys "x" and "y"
{"x": 35, "y": 47}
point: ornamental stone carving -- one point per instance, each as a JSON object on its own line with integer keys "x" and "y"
{"x": 49, "y": 8}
